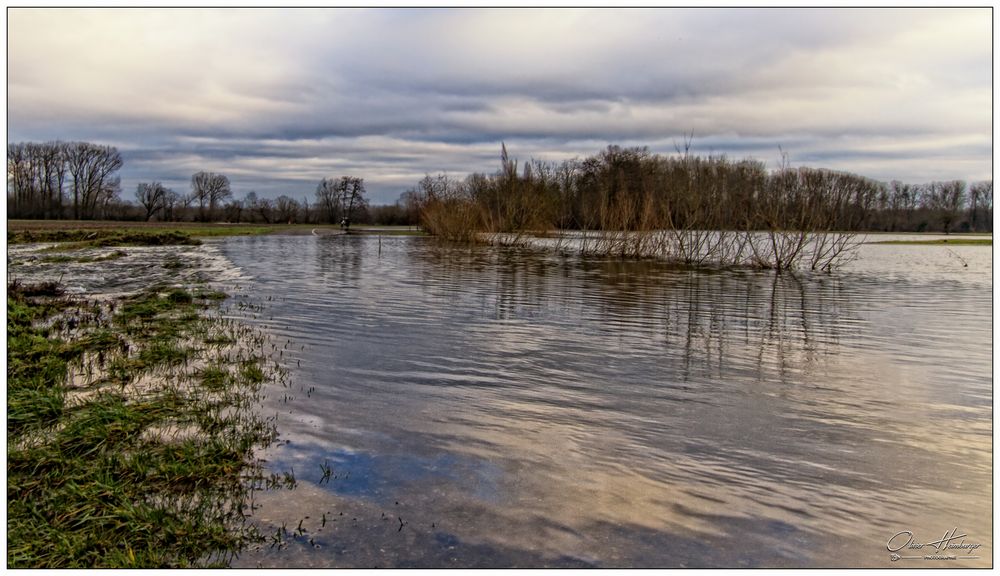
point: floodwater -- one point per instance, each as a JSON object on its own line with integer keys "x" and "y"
{"x": 138, "y": 268}
{"x": 490, "y": 407}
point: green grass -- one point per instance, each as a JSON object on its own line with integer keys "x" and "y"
{"x": 948, "y": 241}
{"x": 98, "y": 482}
{"x": 86, "y": 234}
{"x": 59, "y": 259}
{"x": 124, "y": 239}
{"x": 83, "y": 259}
{"x": 36, "y": 365}
{"x": 94, "y": 238}
{"x": 82, "y": 234}
{"x": 211, "y": 295}
{"x": 227, "y": 230}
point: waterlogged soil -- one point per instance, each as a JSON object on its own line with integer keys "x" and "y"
{"x": 132, "y": 409}
{"x": 111, "y": 272}
{"x": 484, "y": 407}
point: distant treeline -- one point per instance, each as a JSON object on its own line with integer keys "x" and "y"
{"x": 633, "y": 189}
{"x": 692, "y": 210}
{"x": 618, "y": 189}
{"x": 62, "y": 180}
{"x": 78, "y": 180}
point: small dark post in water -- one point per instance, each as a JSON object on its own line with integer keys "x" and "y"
{"x": 380, "y": 245}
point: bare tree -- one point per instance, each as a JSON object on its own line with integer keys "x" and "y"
{"x": 91, "y": 167}
{"x": 49, "y": 166}
{"x": 108, "y": 202}
{"x": 981, "y": 201}
{"x": 351, "y": 194}
{"x": 35, "y": 176}
{"x": 185, "y": 201}
{"x": 19, "y": 179}
{"x": 234, "y": 210}
{"x": 171, "y": 200}
{"x": 58, "y": 183}
{"x": 265, "y": 208}
{"x": 21, "y": 184}
{"x": 306, "y": 210}
{"x": 209, "y": 189}
{"x": 250, "y": 200}
{"x": 410, "y": 202}
{"x": 947, "y": 199}
{"x": 152, "y": 196}
{"x": 286, "y": 209}
{"x": 328, "y": 200}
{"x": 259, "y": 208}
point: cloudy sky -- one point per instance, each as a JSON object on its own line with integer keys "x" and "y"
{"x": 279, "y": 98}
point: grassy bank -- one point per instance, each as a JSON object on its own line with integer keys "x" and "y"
{"x": 77, "y": 239}
{"x": 131, "y": 428}
{"x": 88, "y": 234}
{"x": 111, "y": 233}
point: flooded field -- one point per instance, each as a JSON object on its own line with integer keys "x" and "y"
{"x": 456, "y": 406}
{"x": 484, "y": 407}
{"x": 110, "y": 271}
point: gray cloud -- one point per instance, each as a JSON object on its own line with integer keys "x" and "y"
{"x": 278, "y": 99}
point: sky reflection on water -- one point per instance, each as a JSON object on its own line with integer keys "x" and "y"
{"x": 512, "y": 408}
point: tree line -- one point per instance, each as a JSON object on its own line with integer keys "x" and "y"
{"x": 78, "y": 180}
{"x": 62, "y": 180}
{"x": 622, "y": 188}
{"x": 693, "y": 209}
{"x": 618, "y": 189}
{"x": 340, "y": 200}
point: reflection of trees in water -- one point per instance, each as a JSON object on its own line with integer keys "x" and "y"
{"x": 340, "y": 257}
{"x": 715, "y": 320}
{"x": 802, "y": 322}
{"x": 511, "y": 283}
{"x": 709, "y": 321}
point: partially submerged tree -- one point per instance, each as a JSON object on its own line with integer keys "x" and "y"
{"x": 686, "y": 208}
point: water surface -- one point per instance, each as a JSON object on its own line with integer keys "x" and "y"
{"x": 491, "y": 407}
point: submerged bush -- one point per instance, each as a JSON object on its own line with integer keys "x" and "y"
{"x": 687, "y": 209}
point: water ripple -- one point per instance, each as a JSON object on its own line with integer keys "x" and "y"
{"x": 630, "y": 413}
